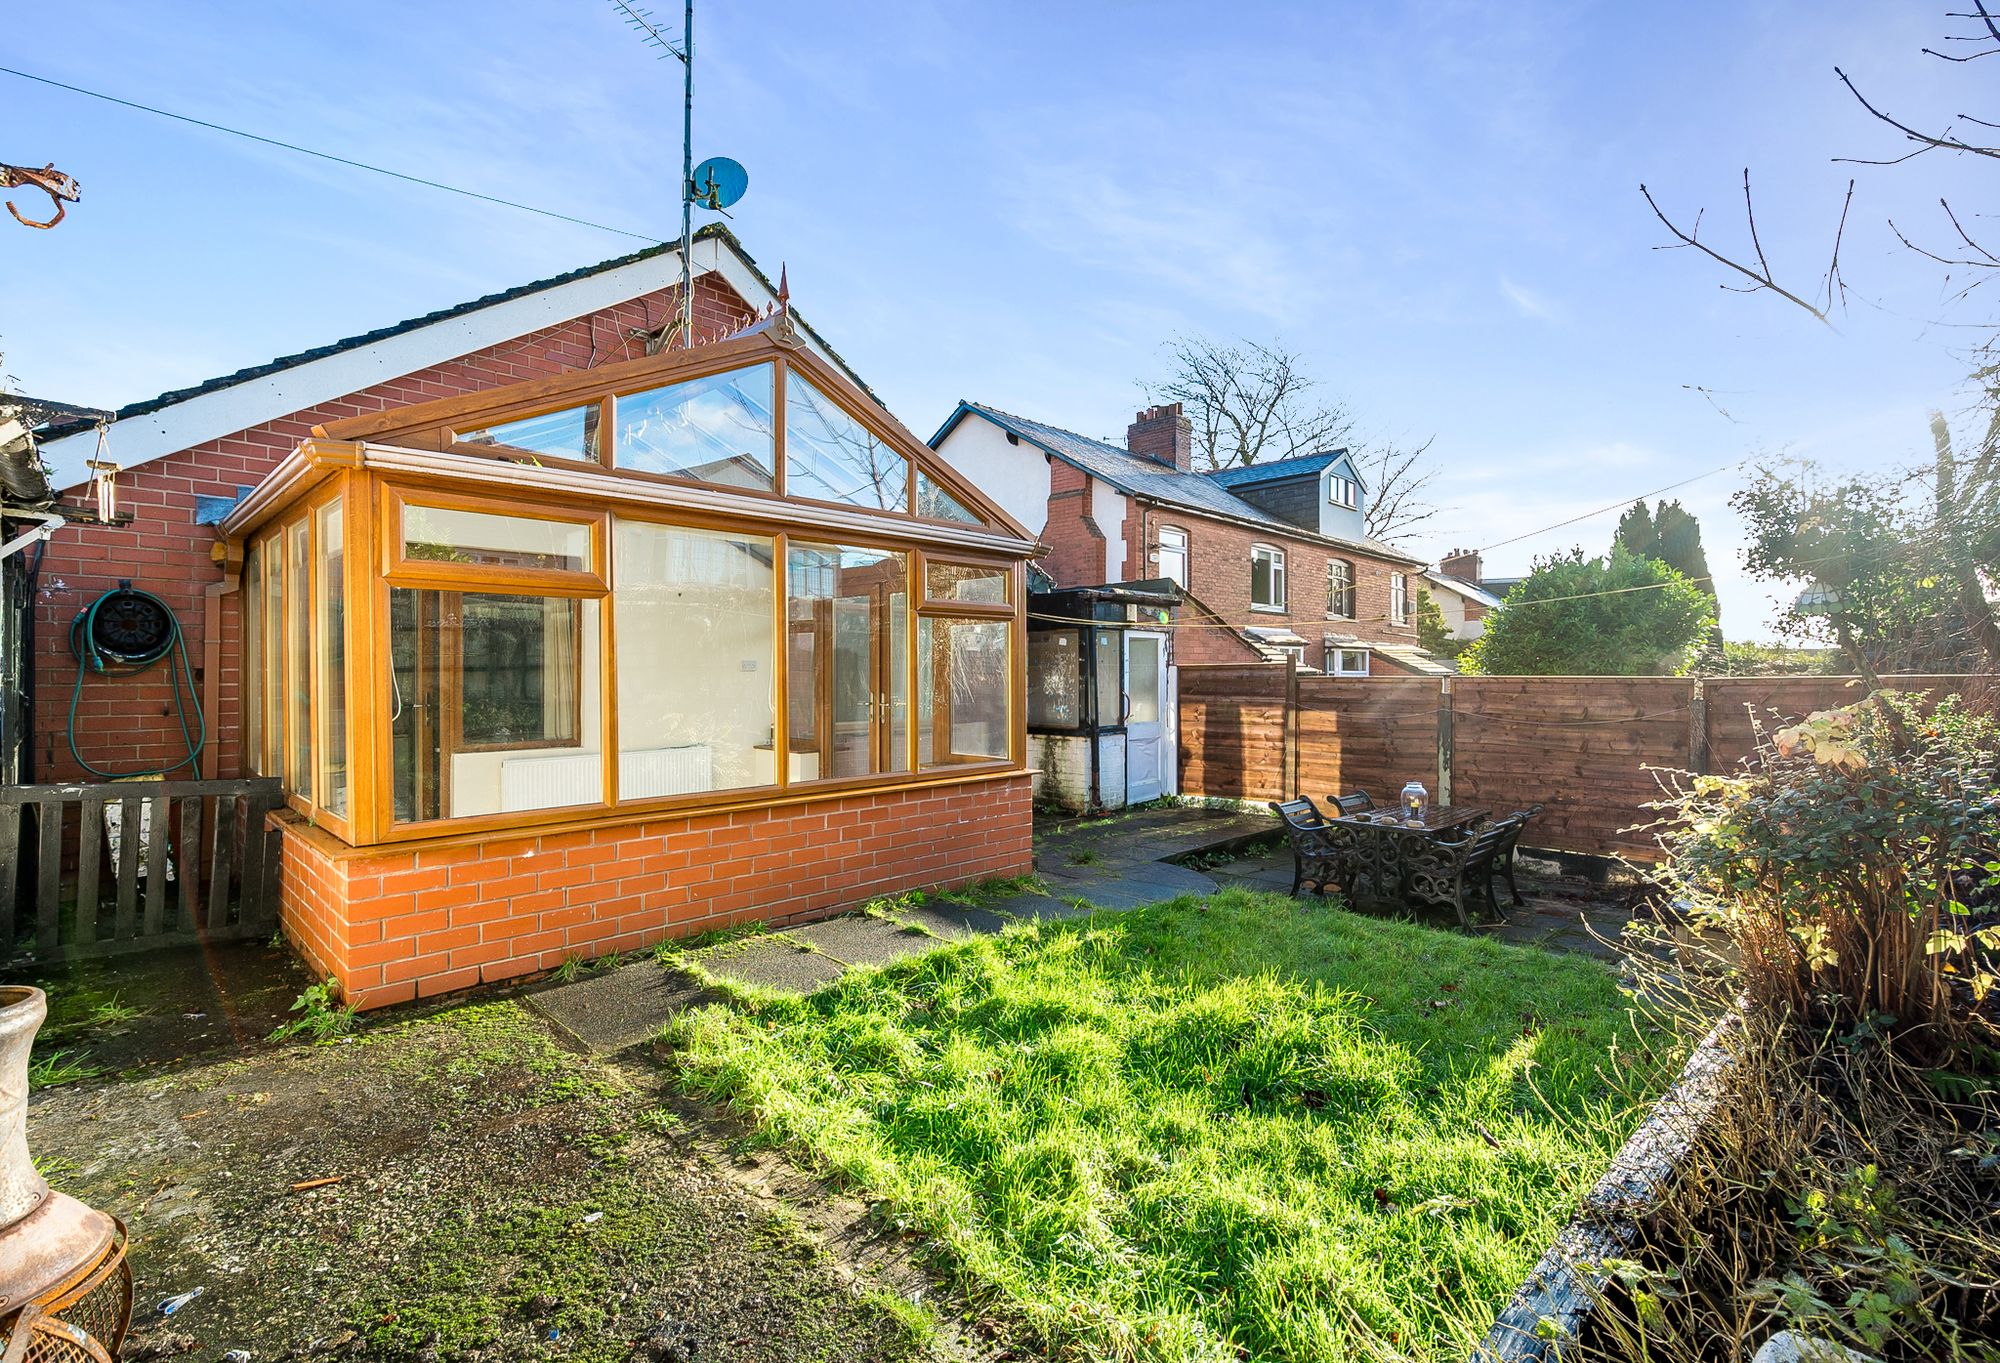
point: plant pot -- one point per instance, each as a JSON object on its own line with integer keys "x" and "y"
{"x": 21, "y": 1188}
{"x": 46, "y": 1238}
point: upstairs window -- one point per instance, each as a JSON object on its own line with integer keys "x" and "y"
{"x": 1340, "y": 588}
{"x": 1267, "y": 578}
{"x": 834, "y": 458}
{"x": 1399, "y": 599}
{"x": 1174, "y": 555}
{"x": 1344, "y": 492}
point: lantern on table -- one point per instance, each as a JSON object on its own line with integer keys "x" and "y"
{"x": 1415, "y": 801}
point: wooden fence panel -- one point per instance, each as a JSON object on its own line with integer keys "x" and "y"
{"x": 1234, "y": 729}
{"x": 1739, "y": 706}
{"x": 1583, "y": 747}
{"x": 1367, "y": 733}
{"x": 171, "y": 870}
{"x": 1591, "y": 750}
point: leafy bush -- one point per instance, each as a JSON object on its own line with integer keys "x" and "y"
{"x": 1619, "y": 616}
{"x": 1855, "y": 872}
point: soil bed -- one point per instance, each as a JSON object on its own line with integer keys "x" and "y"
{"x": 496, "y": 1197}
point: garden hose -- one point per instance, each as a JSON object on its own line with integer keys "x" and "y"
{"x": 134, "y": 630}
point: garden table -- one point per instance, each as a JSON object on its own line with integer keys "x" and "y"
{"x": 1382, "y": 847}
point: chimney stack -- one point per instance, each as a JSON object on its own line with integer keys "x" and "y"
{"x": 1163, "y": 435}
{"x": 1462, "y": 564}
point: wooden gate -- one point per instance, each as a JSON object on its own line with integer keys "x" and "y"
{"x": 131, "y": 865}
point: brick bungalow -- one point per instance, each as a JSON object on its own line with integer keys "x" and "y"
{"x": 1274, "y": 556}
{"x": 398, "y": 559}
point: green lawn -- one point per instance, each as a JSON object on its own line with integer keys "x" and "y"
{"x": 1222, "y": 1128}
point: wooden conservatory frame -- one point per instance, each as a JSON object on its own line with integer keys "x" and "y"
{"x": 322, "y": 544}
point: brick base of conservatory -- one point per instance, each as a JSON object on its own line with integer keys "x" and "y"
{"x": 411, "y": 921}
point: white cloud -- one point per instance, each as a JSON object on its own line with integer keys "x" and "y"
{"x": 1528, "y": 302}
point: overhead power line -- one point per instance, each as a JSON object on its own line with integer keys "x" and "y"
{"x": 1615, "y": 506}
{"x": 329, "y": 156}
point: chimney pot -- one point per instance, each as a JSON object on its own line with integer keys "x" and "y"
{"x": 1161, "y": 433}
{"x": 1462, "y": 564}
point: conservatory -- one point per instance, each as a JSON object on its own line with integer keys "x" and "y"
{"x": 713, "y": 609}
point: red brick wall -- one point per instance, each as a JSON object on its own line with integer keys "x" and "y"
{"x": 1075, "y": 538}
{"x": 1219, "y": 576}
{"x": 394, "y": 924}
{"x": 128, "y": 722}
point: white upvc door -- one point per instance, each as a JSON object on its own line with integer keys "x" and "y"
{"x": 1149, "y": 748}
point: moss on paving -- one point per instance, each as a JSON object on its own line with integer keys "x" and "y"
{"x": 498, "y": 1198}
{"x": 1215, "y": 1128}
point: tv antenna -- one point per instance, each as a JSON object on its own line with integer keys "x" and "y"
{"x": 718, "y": 182}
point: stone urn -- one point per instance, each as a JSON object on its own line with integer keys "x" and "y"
{"x": 55, "y": 1253}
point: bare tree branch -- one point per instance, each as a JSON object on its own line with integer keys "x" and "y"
{"x": 1759, "y": 281}
{"x": 1400, "y": 478}
{"x": 1944, "y": 141}
{"x": 1247, "y": 402}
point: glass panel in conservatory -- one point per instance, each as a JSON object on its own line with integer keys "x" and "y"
{"x": 847, "y": 620}
{"x": 963, "y": 680}
{"x": 444, "y": 534}
{"x": 694, "y": 615}
{"x": 834, "y": 458}
{"x": 494, "y": 703}
{"x": 715, "y": 429}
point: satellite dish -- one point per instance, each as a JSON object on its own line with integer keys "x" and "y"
{"x": 718, "y": 183}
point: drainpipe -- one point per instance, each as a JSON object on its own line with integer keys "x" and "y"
{"x": 50, "y": 523}
{"x": 229, "y": 558}
{"x": 1096, "y": 720}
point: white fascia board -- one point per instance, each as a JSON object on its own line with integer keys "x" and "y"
{"x": 224, "y": 411}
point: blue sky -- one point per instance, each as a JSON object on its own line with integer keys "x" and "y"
{"x": 1437, "y": 205}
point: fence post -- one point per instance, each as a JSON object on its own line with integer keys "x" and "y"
{"x": 1288, "y": 779}
{"x": 1698, "y": 728}
{"x": 1444, "y": 741}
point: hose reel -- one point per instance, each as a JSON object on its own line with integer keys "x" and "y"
{"x": 124, "y": 626}
{"x": 123, "y": 633}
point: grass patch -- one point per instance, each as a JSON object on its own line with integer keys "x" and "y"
{"x": 1212, "y": 1128}
{"x": 58, "y": 1068}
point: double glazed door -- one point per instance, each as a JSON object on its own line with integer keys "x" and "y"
{"x": 864, "y": 711}
{"x": 1149, "y": 746}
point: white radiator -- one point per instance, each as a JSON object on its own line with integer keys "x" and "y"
{"x": 552, "y": 780}
{"x": 648, "y": 773}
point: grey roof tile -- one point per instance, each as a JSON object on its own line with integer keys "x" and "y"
{"x": 1148, "y": 478}
{"x": 1271, "y": 471}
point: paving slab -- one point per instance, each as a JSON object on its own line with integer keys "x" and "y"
{"x": 774, "y": 963}
{"x": 613, "y": 1009}
{"x": 1038, "y": 908}
{"x": 861, "y": 939}
{"x": 1149, "y": 835}
{"x": 955, "y": 922}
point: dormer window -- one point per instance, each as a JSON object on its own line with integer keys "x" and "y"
{"x": 1344, "y": 492}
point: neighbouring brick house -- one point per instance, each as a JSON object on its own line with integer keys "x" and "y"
{"x": 398, "y": 561}
{"x": 1462, "y": 598}
{"x": 1274, "y": 556}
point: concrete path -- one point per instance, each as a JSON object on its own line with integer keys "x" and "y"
{"x": 1117, "y": 861}
{"x": 1113, "y": 862}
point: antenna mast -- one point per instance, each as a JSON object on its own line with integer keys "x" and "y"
{"x": 641, "y": 22}
{"x": 687, "y": 178}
